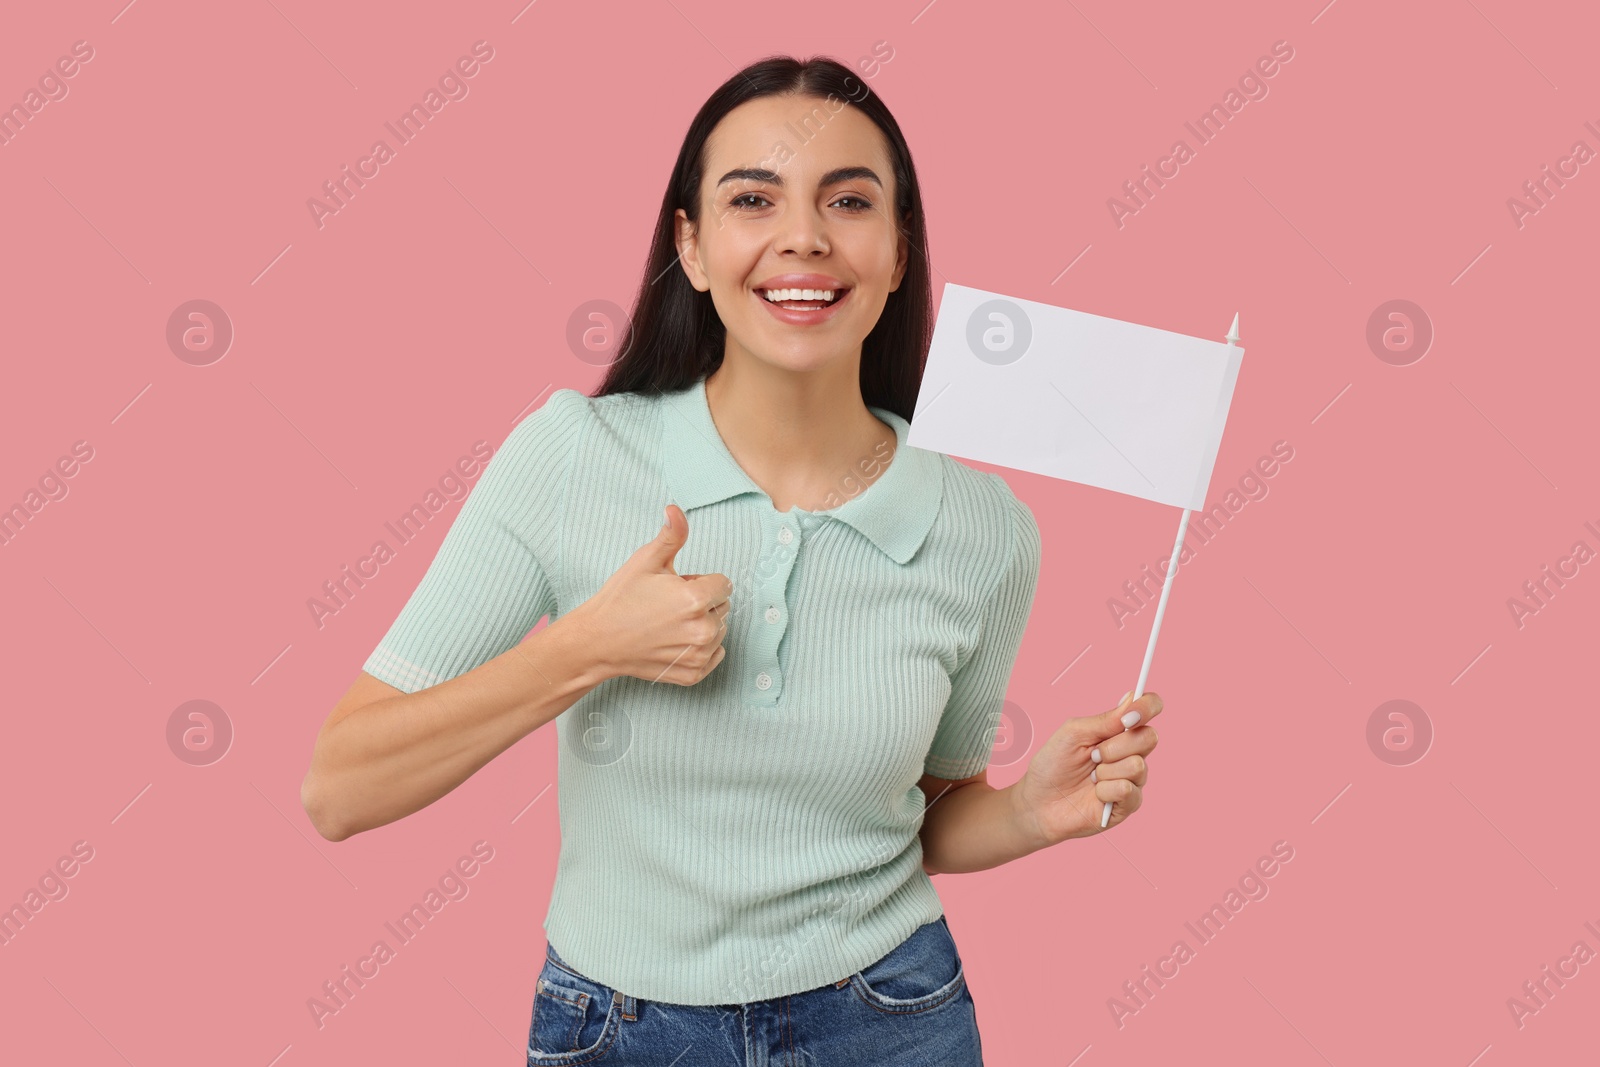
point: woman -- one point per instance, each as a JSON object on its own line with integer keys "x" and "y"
{"x": 785, "y": 633}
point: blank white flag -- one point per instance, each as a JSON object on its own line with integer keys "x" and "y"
{"x": 1066, "y": 394}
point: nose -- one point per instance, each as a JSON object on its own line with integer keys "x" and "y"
{"x": 802, "y": 230}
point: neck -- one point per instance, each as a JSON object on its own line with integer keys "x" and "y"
{"x": 805, "y": 437}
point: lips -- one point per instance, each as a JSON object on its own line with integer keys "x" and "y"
{"x": 801, "y": 316}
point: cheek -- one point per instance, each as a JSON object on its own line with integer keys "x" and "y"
{"x": 871, "y": 258}
{"x": 730, "y": 264}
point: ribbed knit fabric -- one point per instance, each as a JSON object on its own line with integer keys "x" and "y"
{"x": 753, "y": 835}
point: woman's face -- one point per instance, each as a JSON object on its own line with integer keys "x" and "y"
{"x": 795, "y": 196}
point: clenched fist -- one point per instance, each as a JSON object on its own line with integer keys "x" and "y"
{"x": 647, "y": 621}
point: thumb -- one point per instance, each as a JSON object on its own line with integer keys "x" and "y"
{"x": 658, "y": 554}
{"x": 1109, "y": 724}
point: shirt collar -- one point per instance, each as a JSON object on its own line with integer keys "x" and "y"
{"x": 895, "y": 512}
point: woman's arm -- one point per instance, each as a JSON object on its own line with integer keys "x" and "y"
{"x": 969, "y": 825}
{"x": 1089, "y": 761}
{"x": 384, "y": 753}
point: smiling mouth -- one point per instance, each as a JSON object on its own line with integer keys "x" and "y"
{"x": 802, "y": 299}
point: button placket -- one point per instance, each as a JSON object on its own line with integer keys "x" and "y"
{"x": 780, "y": 544}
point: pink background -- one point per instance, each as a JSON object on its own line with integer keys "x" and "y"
{"x": 431, "y": 313}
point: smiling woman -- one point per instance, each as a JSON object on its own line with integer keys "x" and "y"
{"x": 758, "y": 774}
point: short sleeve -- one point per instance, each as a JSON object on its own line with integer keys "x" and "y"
{"x": 964, "y": 741}
{"x": 495, "y": 573}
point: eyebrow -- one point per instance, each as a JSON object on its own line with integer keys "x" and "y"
{"x": 833, "y": 177}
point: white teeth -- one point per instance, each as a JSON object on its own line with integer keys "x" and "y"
{"x": 778, "y": 295}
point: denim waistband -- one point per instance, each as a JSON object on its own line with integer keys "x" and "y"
{"x": 630, "y": 1003}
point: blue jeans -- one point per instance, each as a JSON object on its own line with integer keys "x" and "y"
{"x": 909, "y": 1009}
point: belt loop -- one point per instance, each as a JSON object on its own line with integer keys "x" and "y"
{"x": 630, "y": 1007}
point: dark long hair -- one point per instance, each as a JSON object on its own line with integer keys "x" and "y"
{"x": 674, "y": 335}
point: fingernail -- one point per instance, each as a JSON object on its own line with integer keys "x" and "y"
{"x": 1130, "y": 718}
{"x": 1094, "y": 754}
{"x": 1094, "y": 774}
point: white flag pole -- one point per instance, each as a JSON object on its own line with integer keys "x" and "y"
{"x": 1166, "y": 590}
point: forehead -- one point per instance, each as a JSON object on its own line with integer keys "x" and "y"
{"x": 800, "y": 137}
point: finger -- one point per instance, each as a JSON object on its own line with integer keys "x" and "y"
{"x": 1108, "y": 723}
{"x": 1127, "y": 714}
{"x": 1147, "y": 707}
{"x": 697, "y": 675}
{"x": 1140, "y": 739}
{"x": 711, "y": 589}
{"x": 694, "y": 663}
{"x": 1121, "y": 793}
{"x": 720, "y": 610}
{"x": 1133, "y": 769}
{"x": 658, "y": 553}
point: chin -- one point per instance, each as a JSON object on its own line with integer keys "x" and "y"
{"x": 802, "y": 358}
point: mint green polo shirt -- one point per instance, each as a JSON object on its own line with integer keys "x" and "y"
{"x": 755, "y": 834}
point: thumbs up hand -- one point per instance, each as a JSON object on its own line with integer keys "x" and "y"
{"x": 1089, "y": 761}
{"x": 647, "y": 621}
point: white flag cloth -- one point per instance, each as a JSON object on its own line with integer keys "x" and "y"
{"x": 1070, "y": 395}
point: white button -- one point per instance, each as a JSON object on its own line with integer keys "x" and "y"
{"x": 785, "y": 535}
{"x": 772, "y": 614}
{"x": 763, "y": 680}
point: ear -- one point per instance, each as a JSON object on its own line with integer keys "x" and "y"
{"x": 904, "y": 246}
{"x": 689, "y": 251}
